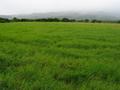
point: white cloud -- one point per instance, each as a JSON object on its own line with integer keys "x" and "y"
{"x": 30, "y": 6}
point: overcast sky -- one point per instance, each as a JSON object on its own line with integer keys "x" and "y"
{"x": 38, "y": 6}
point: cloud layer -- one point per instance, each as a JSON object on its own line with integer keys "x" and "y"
{"x": 35, "y": 6}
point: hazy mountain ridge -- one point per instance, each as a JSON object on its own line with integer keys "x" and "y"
{"x": 71, "y": 15}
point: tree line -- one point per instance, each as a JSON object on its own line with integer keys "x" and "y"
{"x": 5, "y": 20}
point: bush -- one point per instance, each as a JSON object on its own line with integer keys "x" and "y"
{"x": 118, "y": 21}
{"x": 4, "y": 20}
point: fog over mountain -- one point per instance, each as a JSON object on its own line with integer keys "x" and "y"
{"x": 68, "y": 14}
{"x": 77, "y": 9}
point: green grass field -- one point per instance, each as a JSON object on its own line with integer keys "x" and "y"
{"x": 59, "y": 56}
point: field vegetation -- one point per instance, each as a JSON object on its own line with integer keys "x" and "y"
{"x": 59, "y": 56}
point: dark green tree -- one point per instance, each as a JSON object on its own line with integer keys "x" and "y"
{"x": 4, "y": 20}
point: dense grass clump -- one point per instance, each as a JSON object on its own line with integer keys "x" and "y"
{"x": 59, "y": 56}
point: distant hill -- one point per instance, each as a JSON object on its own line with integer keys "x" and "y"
{"x": 71, "y": 15}
{"x": 6, "y": 16}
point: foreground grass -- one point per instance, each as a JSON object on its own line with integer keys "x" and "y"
{"x": 59, "y": 56}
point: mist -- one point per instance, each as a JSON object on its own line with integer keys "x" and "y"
{"x": 9, "y": 7}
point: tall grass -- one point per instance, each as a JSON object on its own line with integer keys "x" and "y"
{"x": 59, "y": 56}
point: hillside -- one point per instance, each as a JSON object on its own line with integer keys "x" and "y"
{"x": 71, "y": 15}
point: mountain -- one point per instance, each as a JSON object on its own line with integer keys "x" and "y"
{"x": 6, "y": 16}
{"x": 71, "y": 15}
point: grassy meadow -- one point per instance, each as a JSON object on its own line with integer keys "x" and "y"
{"x": 59, "y": 56}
